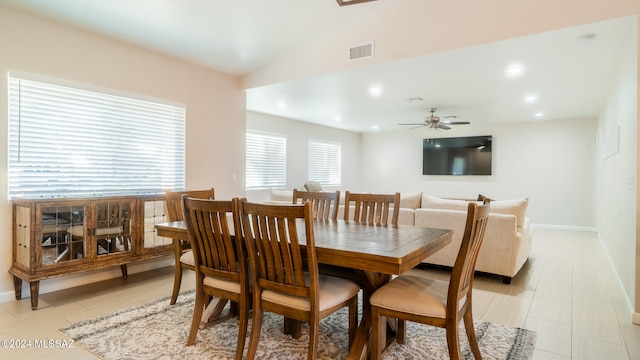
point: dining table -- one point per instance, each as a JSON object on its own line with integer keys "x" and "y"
{"x": 372, "y": 253}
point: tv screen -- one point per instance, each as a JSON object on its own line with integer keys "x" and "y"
{"x": 457, "y": 156}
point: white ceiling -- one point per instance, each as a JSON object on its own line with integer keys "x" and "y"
{"x": 569, "y": 75}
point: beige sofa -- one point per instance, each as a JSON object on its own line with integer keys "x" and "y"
{"x": 507, "y": 241}
{"x": 508, "y": 237}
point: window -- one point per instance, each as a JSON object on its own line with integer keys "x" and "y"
{"x": 71, "y": 141}
{"x": 324, "y": 162}
{"x": 265, "y": 160}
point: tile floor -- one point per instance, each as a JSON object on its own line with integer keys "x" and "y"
{"x": 566, "y": 292}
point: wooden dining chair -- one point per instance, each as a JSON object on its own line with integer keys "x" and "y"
{"x": 276, "y": 237}
{"x": 372, "y": 209}
{"x": 220, "y": 262}
{"x": 324, "y": 204}
{"x": 414, "y": 297}
{"x": 181, "y": 247}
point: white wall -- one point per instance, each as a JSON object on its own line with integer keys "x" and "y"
{"x": 215, "y": 124}
{"x": 617, "y": 174}
{"x": 298, "y": 134}
{"x": 550, "y": 162}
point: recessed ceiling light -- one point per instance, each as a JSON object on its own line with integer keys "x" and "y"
{"x": 375, "y": 90}
{"x": 282, "y": 104}
{"x": 539, "y": 114}
{"x": 375, "y": 127}
{"x": 530, "y": 99}
{"x": 337, "y": 118}
{"x": 514, "y": 70}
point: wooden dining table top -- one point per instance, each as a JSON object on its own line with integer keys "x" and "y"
{"x": 388, "y": 249}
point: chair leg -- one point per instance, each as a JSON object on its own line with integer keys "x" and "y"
{"x": 401, "y": 332}
{"x": 314, "y": 329}
{"x": 243, "y": 323}
{"x": 177, "y": 281}
{"x": 197, "y": 317}
{"x": 378, "y": 333}
{"x": 471, "y": 334}
{"x": 256, "y": 327}
{"x": 453, "y": 341}
{"x": 353, "y": 320}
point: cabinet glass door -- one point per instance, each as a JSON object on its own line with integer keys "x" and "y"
{"x": 113, "y": 227}
{"x": 155, "y": 212}
{"x": 62, "y": 234}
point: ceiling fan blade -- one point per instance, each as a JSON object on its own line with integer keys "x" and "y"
{"x": 417, "y": 127}
{"x": 456, "y": 122}
{"x": 417, "y": 124}
{"x": 443, "y": 127}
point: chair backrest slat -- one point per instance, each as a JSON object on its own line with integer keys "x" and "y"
{"x": 216, "y": 251}
{"x": 461, "y": 283}
{"x": 273, "y": 236}
{"x": 174, "y": 201}
{"x": 324, "y": 204}
{"x": 372, "y": 209}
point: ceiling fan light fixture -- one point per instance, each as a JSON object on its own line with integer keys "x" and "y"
{"x": 433, "y": 122}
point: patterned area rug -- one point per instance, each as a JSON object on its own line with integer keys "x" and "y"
{"x": 157, "y": 330}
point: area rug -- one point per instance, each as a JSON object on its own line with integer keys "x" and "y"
{"x": 157, "y": 330}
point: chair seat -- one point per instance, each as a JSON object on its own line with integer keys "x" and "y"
{"x": 222, "y": 284}
{"x": 420, "y": 295}
{"x": 187, "y": 258}
{"x": 332, "y": 291}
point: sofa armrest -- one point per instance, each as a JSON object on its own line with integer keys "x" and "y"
{"x": 443, "y": 219}
{"x": 504, "y": 250}
{"x": 503, "y": 225}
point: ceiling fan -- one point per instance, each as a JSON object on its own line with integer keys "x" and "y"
{"x": 433, "y": 122}
{"x": 351, "y": 2}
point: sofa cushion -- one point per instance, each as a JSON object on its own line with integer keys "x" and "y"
{"x": 281, "y": 195}
{"x": 434, "y": 202}
{"x": 517, "y": 207}
{"x": 410, "y": 200}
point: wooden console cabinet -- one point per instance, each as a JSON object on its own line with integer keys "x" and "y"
{"x": 56, "y": 237}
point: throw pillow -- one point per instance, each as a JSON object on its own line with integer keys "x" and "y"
{"x": 281, "y": 195}
{"x": 313, "y": 186}
{"x": 483, "y": 198}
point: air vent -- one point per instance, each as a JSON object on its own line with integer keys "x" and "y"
{"x": 359, "y": 52}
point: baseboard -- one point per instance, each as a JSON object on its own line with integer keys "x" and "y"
{"x": 563, "y": 227}
{"x": 635, "y": 317}
{"x": 74, "y": 280}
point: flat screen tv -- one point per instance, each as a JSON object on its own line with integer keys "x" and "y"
{"x": 457, "y": 156}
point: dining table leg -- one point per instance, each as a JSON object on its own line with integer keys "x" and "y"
{"x": 370, "y": 282}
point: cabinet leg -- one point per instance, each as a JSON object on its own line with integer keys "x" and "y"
{"x": 17, "y": 286}
{"x": 34, "y": 287}
{"x": 123, "y": 267}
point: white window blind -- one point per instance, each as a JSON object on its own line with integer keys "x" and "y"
{"x": 68, "y": 141}
{"x": 265, "y": 160}
{"x": 324, "y": 162}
